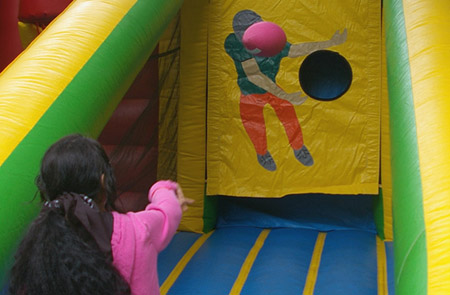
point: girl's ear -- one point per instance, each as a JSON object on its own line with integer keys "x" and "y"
{"x": 102, "y": 180}
{"x": 102, "y": 194}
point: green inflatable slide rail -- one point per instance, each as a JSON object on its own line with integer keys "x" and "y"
{"x": 83, "y": 105}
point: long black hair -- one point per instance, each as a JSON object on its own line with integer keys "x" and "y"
{"x": 76, "y": 164}
{"x": 55, "y": 257}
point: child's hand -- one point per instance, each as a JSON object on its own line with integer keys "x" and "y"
{"x": 184, "y": 202}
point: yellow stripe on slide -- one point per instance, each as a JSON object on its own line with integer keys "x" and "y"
{"x": 30, "y": 85}
{"x": 314, "y": 265}
{"x": 427, "y": 24}
{"x": 382, "y": 268}
{"x": 178, "y": 269}
{"x": 248, "y": 263}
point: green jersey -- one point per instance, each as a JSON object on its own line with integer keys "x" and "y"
{"x": 269, "y": 66}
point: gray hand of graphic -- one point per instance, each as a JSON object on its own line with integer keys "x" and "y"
{"x": 295, "y": 98}
{"x": 338, "y": 38}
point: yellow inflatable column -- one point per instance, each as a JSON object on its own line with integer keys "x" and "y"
{"x": 192, "y": 111}
{"x": 427, "y": 29}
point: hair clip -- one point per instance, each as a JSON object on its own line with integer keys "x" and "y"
{"x": 54, "y": 203}
{"x": 88, "y": 201}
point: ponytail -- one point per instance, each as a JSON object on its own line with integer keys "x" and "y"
{"x": 67, "y": 249}
{"x": 54, "y": 259}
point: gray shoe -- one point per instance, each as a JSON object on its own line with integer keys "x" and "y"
{"x": 303, "y": 156}
{"x": 267, "y": 161}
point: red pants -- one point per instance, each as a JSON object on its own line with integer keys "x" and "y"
{"x": 251, "y": 108}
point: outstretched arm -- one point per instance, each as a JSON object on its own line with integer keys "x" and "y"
{"x": 301, "y": 49}
{"x": 255, "y": 76}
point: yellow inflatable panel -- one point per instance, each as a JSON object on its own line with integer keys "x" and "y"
{"x": 28, "y": 32}
{"x": 336, "y": 148}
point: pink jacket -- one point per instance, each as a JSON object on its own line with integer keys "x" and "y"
{"x": 138, "y": 238}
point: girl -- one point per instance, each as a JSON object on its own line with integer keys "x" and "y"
{"x": 78, "y": 244}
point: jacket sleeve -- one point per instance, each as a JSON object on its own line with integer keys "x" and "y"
{"x": 138, "y": 237}
{"x": 154, "y": 226}
{"x": 162, "y": 216}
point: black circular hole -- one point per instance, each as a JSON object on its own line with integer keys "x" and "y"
{"x": 325, "y": 75}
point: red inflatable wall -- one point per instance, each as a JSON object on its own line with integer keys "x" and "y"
{"x": 9, "y": 32}
{"x": 41, "y": 11}
{"x": 131, "y": 139}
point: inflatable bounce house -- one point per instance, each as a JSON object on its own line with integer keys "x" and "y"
{"x": 311, "y": 134}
